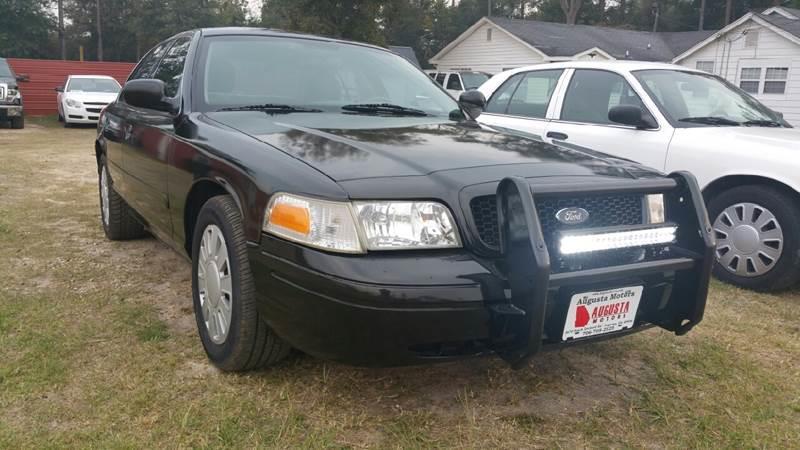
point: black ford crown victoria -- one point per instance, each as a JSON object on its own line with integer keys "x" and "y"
{"x": 334, "y": 199}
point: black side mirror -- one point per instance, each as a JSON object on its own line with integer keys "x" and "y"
{"x": 23, "y": 77}
{"x": 473, "y": 102}
{"x": 59, "y": 89}
{"x": 631, "y": 115}
{"x": 147, "y": 93}
{"x": 778, "y": 113}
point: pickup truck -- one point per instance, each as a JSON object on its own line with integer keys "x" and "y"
{"x": 669, "y": 117}
{"x": 10, "y": 98}
{"x": 365, "y": 217}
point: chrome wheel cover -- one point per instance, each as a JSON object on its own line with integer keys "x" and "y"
{"x": 749, "y": 239}
{"x": 214, "y": 283}
{"x": 104, "y": 194}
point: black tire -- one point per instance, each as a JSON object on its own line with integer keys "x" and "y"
{"x": 783, "y": 272}
{"x": 250, "y": 343}
{"x": 60, "y": 117}
{"x": 18, "y": 123}
{"x": 121, "y": 223}
{"x": 67, "y": 124}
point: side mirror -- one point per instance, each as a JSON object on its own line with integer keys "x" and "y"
{"x": 778, "y": 113}
{"x": 146, "y": 93}
{"x": 473, "y": 102}
{"x": 631, "y": 115}
{"x": 59, "y": 89}
{"x": 23, "y": 77}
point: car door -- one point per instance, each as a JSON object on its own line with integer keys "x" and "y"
{"x": 582, "y": 118}
{"x": 150, "y": 139}
{"x": 521, "y": 104}
{"x": 454, "y": 87}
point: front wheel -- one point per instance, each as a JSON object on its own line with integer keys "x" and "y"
{"x": 18, "y": 123}
{"x": 118, "y": 219}
{"x": 233, "y": 332}
{"x": 758, "y": 237}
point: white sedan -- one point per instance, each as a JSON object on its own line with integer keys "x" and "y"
{"x": 84, "y": 96}
{"x": 745, "y": 156}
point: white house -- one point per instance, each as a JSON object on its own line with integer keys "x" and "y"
{"x": 760, "y": 52}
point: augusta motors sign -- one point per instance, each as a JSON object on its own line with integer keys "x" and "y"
{"x": 593, "y": 313}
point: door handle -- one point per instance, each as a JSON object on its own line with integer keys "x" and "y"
{"x": 557, "y": 135}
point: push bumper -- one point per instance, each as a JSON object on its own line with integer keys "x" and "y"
{"x": 10, "y": 111}
{"x": 392, "y": 309}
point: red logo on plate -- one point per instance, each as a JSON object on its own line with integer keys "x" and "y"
{"x": 581, "y": 316}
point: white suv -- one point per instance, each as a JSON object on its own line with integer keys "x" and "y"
{"x": 457, "y": 82}
{"x": 744, "y": 155}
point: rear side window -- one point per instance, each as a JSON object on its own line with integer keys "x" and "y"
{"x": 498, "y": 103}
{"x": 148, "y": 64}
{"x": 440, "y": 78}
{"x": 533, "y": 94}
{"x": 454, "y": 82}
{"x": 170, "y": 71}
{"x": 592, "y": 93}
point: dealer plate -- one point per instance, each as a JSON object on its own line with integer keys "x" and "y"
{"x": 600, "y": 312}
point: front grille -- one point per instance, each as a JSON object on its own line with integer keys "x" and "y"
{"x": 95, "y": 103}
{"x": 604, "y": 211}
{"x": 93, "y": 110}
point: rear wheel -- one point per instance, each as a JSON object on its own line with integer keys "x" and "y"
{"x": 119, "y": 220}
{"x": 233, "y": 332}
{"x": 758, "y": 237}
{"x": 18, "y": 123}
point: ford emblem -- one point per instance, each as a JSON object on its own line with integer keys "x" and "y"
{"x": 572, "y": 216}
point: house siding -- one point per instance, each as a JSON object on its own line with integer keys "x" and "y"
{"x": 772, "y": 50}
{"x": 476, "y": 53}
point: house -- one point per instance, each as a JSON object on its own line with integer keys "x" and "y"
{"x": 760, "y": 52}
{"x": 405, "y": 52}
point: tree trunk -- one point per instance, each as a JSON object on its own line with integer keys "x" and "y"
{"x": 61, "y": 42}
{"x": 702, "y": 15}
{"x": 99, "y": 34}
{"x": 571, "y": 8}
{"x": 728, "y": 11}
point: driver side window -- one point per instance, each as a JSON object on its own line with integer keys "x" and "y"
{"x": 592, "y": 93}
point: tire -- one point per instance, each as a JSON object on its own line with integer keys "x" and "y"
{"x": 18, "y": 123}
{"x": 118, "y": 219}
{"x": 768, "y": 253}
{"x": 246, "y": 342}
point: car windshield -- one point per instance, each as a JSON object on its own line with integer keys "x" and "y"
{"x": 5, "y": 70}
{"x": 473, "y": 80}
{"x": 264, "y": 70}
{"x": 697, "y": 99}
{"x": 104, "y": 85}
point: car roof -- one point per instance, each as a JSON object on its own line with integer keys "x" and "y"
{"x": 92, "y": 76}
{"x": 255, "y": 31}
{"x": 617, "y": 66}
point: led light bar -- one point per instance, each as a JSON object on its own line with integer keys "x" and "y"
{"x": 571, "y": 244}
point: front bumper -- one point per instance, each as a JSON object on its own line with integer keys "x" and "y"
{"x": 86, "y": 114}
{"x": 10, "y": 111}
{"x": 399, "y": 309}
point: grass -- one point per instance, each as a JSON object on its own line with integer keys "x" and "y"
{"x": 98, "y": 349}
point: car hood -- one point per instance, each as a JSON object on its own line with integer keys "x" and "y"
{"x": 92, "y": 97}
{"x": 770, "y": 143}
{"x": 11, "y": 82}
{"x": 350, "y": 147}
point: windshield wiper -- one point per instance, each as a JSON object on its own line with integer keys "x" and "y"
{"x": 719, "y": 121}
{"x": 271, "y": 107}
{"x": 384, "y": 108}
{"x": 763, "y": 123}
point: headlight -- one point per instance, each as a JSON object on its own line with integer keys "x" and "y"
{"x": 571, "y": 244}
{"x": 73, "y": 103}
{"x": 12, "y": 93}
{"x": 404, "y": 225}
{"x": 655, "y": 208}
{"x": 316, "y": 223}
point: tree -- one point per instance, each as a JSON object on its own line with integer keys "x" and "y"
{"x": 24, "y": 28}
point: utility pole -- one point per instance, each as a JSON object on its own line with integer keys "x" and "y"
{"x": 62, "y": 43}
{"x": 489, "y": 9}
{"x": 99, "y": 34}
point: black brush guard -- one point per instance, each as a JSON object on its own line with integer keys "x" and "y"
{"x": 518, "y": 325}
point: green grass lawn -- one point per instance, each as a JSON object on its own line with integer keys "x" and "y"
{"x": 98, "y": 349}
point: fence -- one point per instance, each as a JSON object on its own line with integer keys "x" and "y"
{"x": 45, "y": 75}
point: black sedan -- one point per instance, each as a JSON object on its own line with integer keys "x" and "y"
{"x": 332, "y": 198}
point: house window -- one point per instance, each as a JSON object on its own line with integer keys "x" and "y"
{"x": 751, "y": 39}
{"x": 775, "y": 80}
{"x": 705, "y": 66}
{"x": 489, "y": 34}
{"x": 750, "y": 79}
